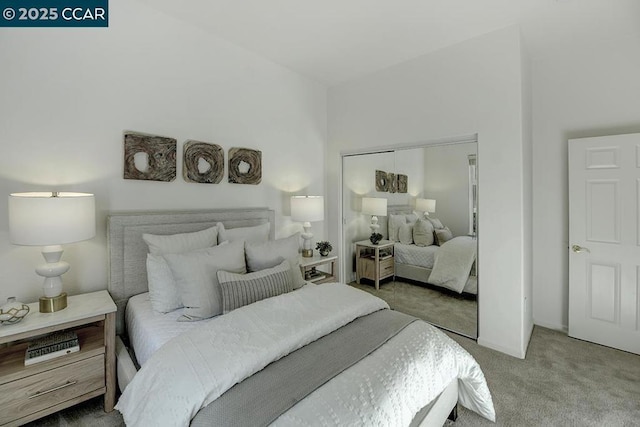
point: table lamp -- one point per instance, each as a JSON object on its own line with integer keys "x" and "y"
{"x": 307, "y": 209}
{"x": 426, "y": 205}
{"x": 374, "y": 206}
{"x": 51, "y": 219}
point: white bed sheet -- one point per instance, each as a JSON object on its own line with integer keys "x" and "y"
{"x": 421, "y": 256}
{"x": 149, "y": 330}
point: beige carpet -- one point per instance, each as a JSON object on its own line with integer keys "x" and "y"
{"x": 442, "y": 308}
{"x": 562, "y": 382}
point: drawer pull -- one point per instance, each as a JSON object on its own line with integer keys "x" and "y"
{"x": 40, "y": 393}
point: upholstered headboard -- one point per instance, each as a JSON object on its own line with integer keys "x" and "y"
{"x": 128, "y": 252}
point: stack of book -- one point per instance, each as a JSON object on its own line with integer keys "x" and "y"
{"x": 51, "y": 346}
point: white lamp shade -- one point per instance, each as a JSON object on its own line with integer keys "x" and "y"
{"x": 307, "y": 208}
{"x": 43, "y": 219}
{"x": 374, "y": 206}
{"x": 426, "y": 205}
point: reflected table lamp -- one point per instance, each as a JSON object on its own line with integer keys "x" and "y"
{"x": 426, "y": 205}
{"x": 51, "y": 219}
{"x": 374, "y": 206}
{"x": 307, "y": 209}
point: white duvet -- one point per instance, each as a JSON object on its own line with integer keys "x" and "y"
{"x": 387, "y": 388}
{"x": 453, "y": 263}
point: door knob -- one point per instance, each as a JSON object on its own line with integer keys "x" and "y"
{"x": 577, "y": 249}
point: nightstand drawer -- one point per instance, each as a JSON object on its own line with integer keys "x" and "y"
{"x": 386, "y": 267}
{"x": 37, "y": 392}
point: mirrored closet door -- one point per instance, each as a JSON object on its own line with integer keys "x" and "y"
{"x": 425, "y": 264}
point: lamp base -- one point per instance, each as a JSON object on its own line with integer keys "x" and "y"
{"x": 307, "y": 253}
{"x": 53, "y": 304}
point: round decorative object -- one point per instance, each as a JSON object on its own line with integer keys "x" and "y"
{"x": 203, "y": 162}
{"x": 324, "y": 253}
{"x": 375, "y": 238}
{"x": 13, "y": 311}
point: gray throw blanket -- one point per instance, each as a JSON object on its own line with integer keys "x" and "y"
{"x": 262, "y": 398}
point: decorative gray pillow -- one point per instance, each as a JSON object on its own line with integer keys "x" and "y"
{"x": 243, "y": 289}
{"x": 269, "y": 254}
{"x": 405, "y": 234}
{"x": 443, "y": 235}
{"x": 437, "y": 224}
{"x": 197, "y": 279}
{"x": 423, "y": 233}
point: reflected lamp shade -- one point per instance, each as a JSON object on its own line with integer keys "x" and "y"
{"x": 374, "y": 206}
{"x": 426, "y": 205}
{"x": 307, "y": 209}
{"x": 51, "y": 219}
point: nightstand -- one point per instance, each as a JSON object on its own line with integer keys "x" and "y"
{"x": 374, "y": 262}
{"x": 310, "y": 273}
{"x": 31, "y": 392}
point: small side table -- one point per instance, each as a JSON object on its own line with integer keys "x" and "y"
{"x": 310, "y": 273}
{"x": 31, "y": 392}
{"x": 371, "y": 264}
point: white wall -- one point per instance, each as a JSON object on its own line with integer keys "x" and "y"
{"x": 68, "y": 95}
{"x": 447, "y": 181}
{"x": 581, "y": 93}
{"x": 475, "y": 86}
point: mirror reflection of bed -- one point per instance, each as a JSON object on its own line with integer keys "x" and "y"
{"x": 435, "y": 279}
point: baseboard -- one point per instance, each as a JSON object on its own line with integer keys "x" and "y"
{"x": 515, "y": 352}
{"x": 554, "y": 326}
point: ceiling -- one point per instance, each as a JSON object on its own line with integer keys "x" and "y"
{"x": 333, "y": 41}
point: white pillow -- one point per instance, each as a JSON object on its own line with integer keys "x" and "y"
{"x": 196, "y": 274}
{"x": 423, "y": 233}
{"x": 256, "y": 234}
{"x": 163, "y": 291}
{"x": 412, "y": 218}
{"x": 273, "y": 252}
{"x": 405, "y": 234}
{"x": 395, "y": 221}
{"x": 243, "y": 289}
{"x": 183, "y": 242}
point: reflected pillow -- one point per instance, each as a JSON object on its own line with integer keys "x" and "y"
{"x": 442, "y": 236}
{"x": 395, "y": 222}
{"x": 405, "y": 234}
{"x": 423, "y": 233}
{"x": 437, "y": 224}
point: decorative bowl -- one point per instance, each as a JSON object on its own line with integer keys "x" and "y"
{"x": 13, "y": 311}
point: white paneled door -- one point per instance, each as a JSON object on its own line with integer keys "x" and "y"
{"x": 604, "y": 240}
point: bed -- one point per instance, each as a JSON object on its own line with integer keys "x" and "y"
{"x": 454, "y": 261}
{"x": 198, "y": 370}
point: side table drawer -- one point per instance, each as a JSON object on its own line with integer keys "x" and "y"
{"x": 40, "y": 391}
{"x": 386, "y": 268}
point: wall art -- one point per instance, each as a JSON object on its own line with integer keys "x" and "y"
{"x": 403, "y": 183}
{"x": 202, "y": 162}
{"x": 149, "y": 157}
{"x": 393, "y": 182}
{"x": 245, "y": 166}
{"x": 382, "y": 184}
